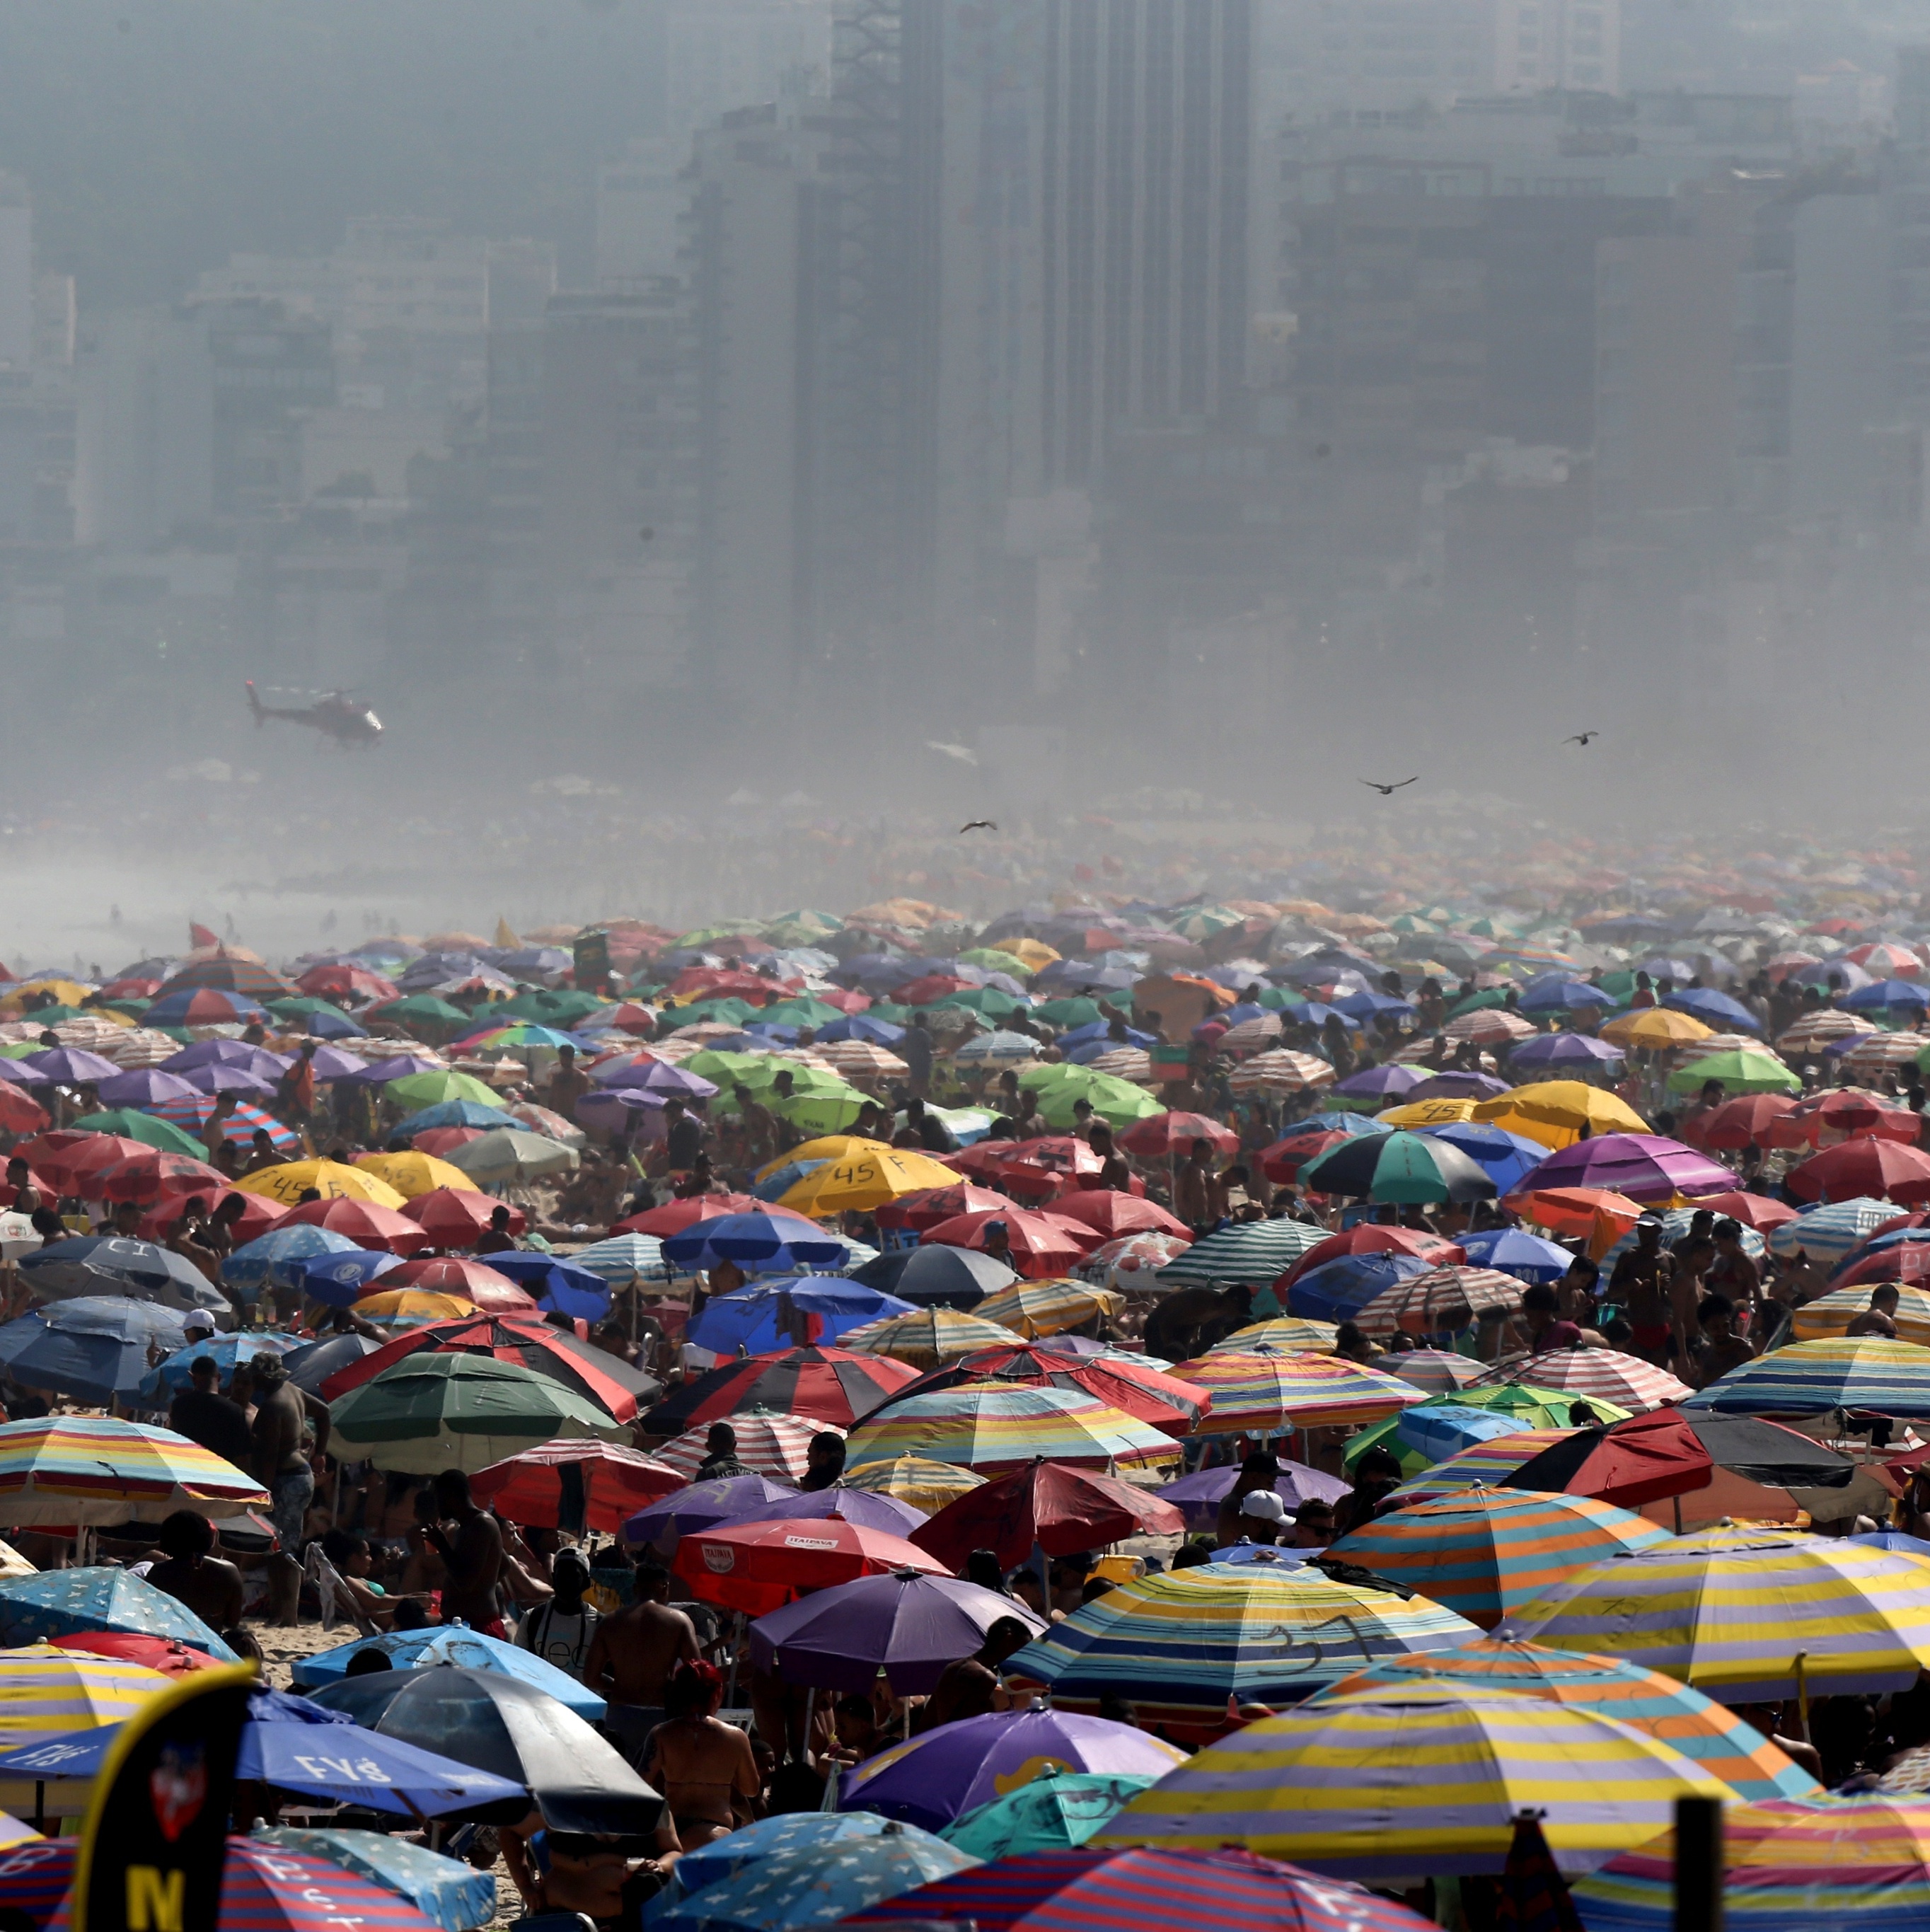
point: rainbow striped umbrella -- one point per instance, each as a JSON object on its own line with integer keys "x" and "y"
{"x": 1485, "y": 1553}
{"x": 193, "y": 1115}
{"x": 1733, "y": 1610}
{"x": 1594, "y": 1374}
{"x": 1825, "y": 1318}
{"x": 1443, "y": 1298}
{"x": 1395, "y": 1785}
{"x": 88, "y": 1469}
{"x": 1179, "y": 1643}
{"x": 1291, "y": 1334}
{"x": 1686, "y": 1721}
{"x": 988, "y": 1426}
{"x": 1859, "y": 1864}
{"x": 915, "y": 1480}
{"x": 1864, "y": 1372}
{"x": 767, "y": 1445}
{"x": 46, "y": 1692}
{"x": 1049, "y": 1307}
{"x": 1491, "y": 1463}
{"x": 926, "y": 1339}
{"x": 1262, "y": 1392}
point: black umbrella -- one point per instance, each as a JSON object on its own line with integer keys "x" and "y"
{"x": 117, "y": 1265}
{"x": 935, "y": 1275}
{"x": 309, "y": 1368}
{"x": 495, "y": 1722}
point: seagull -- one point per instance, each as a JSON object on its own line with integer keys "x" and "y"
{"x": 978, "y": 825}
{"x": 1581, "y": 738}
{"x": 1389, "y": 791}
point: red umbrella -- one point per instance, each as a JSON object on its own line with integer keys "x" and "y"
{"x": 1370, "y": 1237}
{"x": 1124, "y": 1382}
{"x": 455, "y": 1217}
{"x": 1846, "y": 1111}
{"x": 343, "y": 981}
{"x": 258, "y": 1214}
{"x": 1283, "y": 1161}
{"x": 1057, "y": 1507}
{"x": 492, "y": 1293}
{"x": 758, "y": 1567}
{"x": 934, "y": 986}
{"x": 983, "y": 1160}
{"x": 365, "y": 1224}
{"x": 129, "y": 989}
{"x": 1865, "y": 1165}
{"x": 78, "y": 1167}
{"x": 576, "y": 1485}
{"x": 153, "y": 1173}
{"x": 1748, "y": 1121}
{"x": 1043, "y": 1246}
{"x": 613, "y": 1385}
{"x": 1908, "y": 1262}
{"x": 441, "y": 1141}
{"x": 837, "y": 1386}
{"x": 1116, "y": 1214}
{"x": 20, "y": 1113}
{"x": 676, "y": 1216}
{"x": 1754, "y": 1210}
{"x": 167, "y": 1655}
{"x": 1166, "y": 1136}
{"x": 846, "y": 999}
{"x": 927, "y": 1207}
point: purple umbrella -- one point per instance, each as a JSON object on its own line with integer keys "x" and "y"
{"x": 18, "y": 1073}
{"x": 1645, "y": 1167}
{"x": 71, "y": 1067}
{"x": 1565, "y": 1049}
{"x": 947, "y": 1771}
{"x": 610, "y": 1111}
{"x": 220, "y": 1053}
{"x": 1459, "y": 1085}
{"x": 215, "y": 1078}
{"x": 147, "y": 1087}
{"x": 862, "y": 1507}
{"x": 330, "y": 1063}
{"x": 1198, "y": 1497}
{"x": 1393, "y": 1081}
{"x": 909, "y": 1626}
{"x": 377, "y": 1073}
{"x": 727, "y": 1499}
{"x": 659, "y": 1076}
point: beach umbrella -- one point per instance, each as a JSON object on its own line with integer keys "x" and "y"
{"x": 1401, "y": 1167}
{"x": 1441, "y": 1298}
{"x": 1718, "y": 1009}
{"x": 1504, "y": 1157}
{"x": 757, "y": 1566}
{"x": 1594, "y": 1374}
{"x": 1599, "y": 1215}
{"x": 1393, "y": 1784}
{"x": 1814, "y": 1032}
{"x": 1260, "y": 1393}
{"x": 1749, "y": 1119}
{"x": 280, "y": 1255}
{"x": 1646, "y": 1168}
{"x": 863, "y": 1181}
{"x": 1437, "y": 1371}
{"x": 573, "y": 1485}
{"x": 942, "y": 1773}
{"x": 1129, "y": 1383}
{"x": 473, "y": 1282}
{"x": 100, "y": 1265}
{"x": 623, "y": 1261}
{"x": 1049, "y": 1307}
{"x": 1830, "y": 1316}
{"x": 852, "y": 1505}
{"x": 1252, "y": 1253}
{"x": 94, "y": 1348}
{"x": 1170, "y": 1136}
{"x": 1491, "y": 1463}
{"x": 453, "y": 1645}
{"x": 1575, "y": 1052}
{"x": 432, "y": 1412}
{"x": 1287, "y": 1334}
{"x": 773, "y": 1240}
{"x": 1278, "y": 1072}
{"x": 1555, "y": 1112}
{"x": 1487, "y": 1552}
{"x": 954, "y": 1277}
{"x": 240, "y": 1128}
{"x": 1337, "y": 1291}
{"x": 63, "y": 1603}
{"x": 1044, "y": 1505}
{"x": 173, "y": 1373}
{"x": 778, "y": 1446}
{"x": 1040, "y": 1246}
{"x": 1369, "y": 1237}
{"x": 1840, "y": 1113}
{"x": 1752, "y": 1069}
{"x": 409, "y": 1307}
{"x": 988, "y": 1427}
{"x": 1117, "y": 1102}
{"x": 700, "y": 1505}
{"x": 332, "y": 1180}
{"x": 1186, "y": 1641}
{"x": 1828, "y": 1233}
{"x": 413, "y": 1174}
{"x": 1864, "y": 1167}
{"x": 1057, "y": 1812}
{"x": 446, "y": 1891}
{"x": 1430, "y": 1111}
{"x": 771, "y": 1314}
{"x": 506, "y": 1154}
{"x": 341, "y": 1279}
{"x": 744, "y": 1849}
{"x": 556, "y": 1284}
{"x": 1867, "y": 1373}
{"x": 1111, "y": 1214}
{"x": 1131, "y": 1261}
{"x": 914, "y": 1480}
{"x": 1747, "y": 1613}
{"x": 1198, "y": 1497}
{"x": 927, "y": 1338}
{"x": 369, "y": 1224}
{"x": 48, "y": 1694}
{"x": 836, "y": 1386}
{"x": 68, "y": 1469}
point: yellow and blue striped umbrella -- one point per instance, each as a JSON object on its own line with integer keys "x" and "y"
{"x": 1733, "y": 1610}
{"x": 996, "y": 1425}
{"x": 1491, "y": 1463}
{"x": 1485, "y": 1553}
{"x": 1292, "y": 1334}
{"x": 45, "y": 1692}
{"x": 1179, "y": 1643}
{"x": 915, "y": 1480}
{"x": 1862, "y": 1372}
{"x": 1264, "y": 1392}
{"x": 1825, "y": 1318}
{"x": 1684, "y": 1719}
{"x": 926, "y": 1339}
{"x": 1397, "y": 1785}
{"x": 1036, "y": 1308}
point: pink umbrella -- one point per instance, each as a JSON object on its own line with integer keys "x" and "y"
{"x": 1644, "y": 1167}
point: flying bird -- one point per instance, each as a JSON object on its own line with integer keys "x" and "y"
{"x": 1581, "y": 738}
{"x": 978, "y": 825}
{"x": 1389, "y": 791}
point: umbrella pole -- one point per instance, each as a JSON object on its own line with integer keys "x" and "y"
{"x": 737, "y": 1649}
{"x": 1698, "y": 1864}
{"x": 1802, "y": 1695}
{"x": 40, "y": 1806}
{"x": 810, "y": 1711}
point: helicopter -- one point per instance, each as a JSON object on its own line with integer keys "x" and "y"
{"x": 338, "y": 716}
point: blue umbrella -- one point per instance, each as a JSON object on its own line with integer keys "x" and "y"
{"x": 146, "y": 1087}
{"x": 170, "y": 1375}
{"x": 1565, "y": 1049}
{"x": 177, "y": 1008}
{"x": 444, "y": 1891}
{"x": 775, "y": 1186}
{"x": 1552, "y": 993}
{"x": 1506, "y": 1157}
{"x": 1335, "y": 1123}
{"x": 310, "y": 1367}
{"x": 1893, "y": 1539}
{"x": 1338, "y": 1290}
{"x": 700, "y": 1505}
{"x": 1714, "y": 1009}
{"x": 1367, "y": 1005}
{"x": 65, "y": 1602}
{"x": 1880, "y": 995}
{"x": 102, "y": 1265}
{"x": 862, "y": 1026}
{"x": 295, "y": 1745}
{"x": 94, "y": 1348}
{"x": 792, "y": 1311}
{"x": 330, "y": 1024}
{"x": 558, "y": 1287}
{"x": 70, "y": 1065}
{"x": 740, "y": 1850}
{"x": 453, "y": 1114}
{"x": 267, "y": 1257}
{"x": 224, "y": 1053}
{"x": 775, "y": 1242}
{"x": 1438, "y": 1429}
{"x": 449, "y": 1643}
{"x": 1509, "y": 1251}
{"x": 341, "y": 1279}
{"x": 1391, "y": 1082}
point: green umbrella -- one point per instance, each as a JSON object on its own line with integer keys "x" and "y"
{"x": 132, "y": 1125}
{"x": 416, "y": 1090}
{"x": 1742, "y": 1070}
{"x": 1117, "y": 1102}
{"x": 432, "y": 1412}
{"x": 1406, "y": 1168}
{"x": 889, "y": 1010}
{"x": 801, "y": 926}
{"x": 986, "y": 1001}
{"x": 996, "y": 959}
{"x": 1280, "y": 999}
{"x": 1533, "y": 1408}
{"x": 133, "y": 1009}
{"x": 822, "y": 1110}
{"x": 1254, "y": 1253}
{"x": 563, "y": 1008}
{"x": 1075, "y": 1010}
{"x": 303, "y": 1004}
{"x": 1057, "y": 1811}
{"x": 724, "y": 1069}
{"x": 800, "y": 1012}
{"x": 423, "y": 1010}
{"x": 731, "y": 1012}
{"x": 19, "y": 1049}
{"x": 1475, "y": 1003}
{"x": 47, "y": 1016}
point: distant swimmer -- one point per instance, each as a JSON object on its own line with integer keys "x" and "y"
{"x": 1581, "y": 738}
{"x": 978, "y": 825}
{"x": 1389, "y": 791}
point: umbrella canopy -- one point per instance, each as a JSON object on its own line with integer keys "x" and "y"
{"x": 864, "y": 1180}
{"x": 483, "y": 1287}
{"x": 1393, "y": 1784}
{"x": 503, "y": 1155}
{"x": 909, "y": 1626}
{"x": 1867, "y": 1165}
{"x": 1048, "y": 1307}
{"x": 926, "y": 1277}
{"x": 1039, "y": 1245}
{"x": 1254, "y": 1254}
{"x": 1594, "y": 1374}
{"x": 990, "y": 1427}
{"x": 773, "y": 1240}
{"x": 747, "y": 1848}
{"x": 927, "y": 1337}
{"x": 1487, "y": 1552}
{"x": 1739, "y": 1070}
{"x": 1047, "y": 1505}
{"x": 915, "y": 1480}
{"x": 1646, "y": 1168}
{"x": 573, "y": 1485}
{"x": 444, "y": 1891}
{"x": 1683, "y": 1719}
{"x": 50, "y": 1693}
{"x": 1198, "y": 1497}
{"x": 1555, "y": 1112}
{"x": 1180, "y": 1643}
{"x": 1730, "y": 1610}
{"x": 1441, "y": 1298}
{"x": 1866, "y": 1372}
{"x": 61, "y": 1603}
{"x": 1260, "y": 1393}
{"x": 1828, "y": 1233}
{"x": 1286, "y": 1334}
{"x": 1370, "y": 1237}
{"x": 454, "y": 1218}
{"x": 757, "y": 1567}
{"x": 103, "y": 1265}
{"x": 1401, "y": 1167}
{"x": 1054, "y": 1813}
{"x": 1127, "y": 1382}
{"x": 331, "y": 1179}
{"x": 94, "y": 1348}
{"x": 773, "y": 1313}
{"x": 953, "y": 1768}
{"x": 1830, "y": 1315}
{"x": 723, "y": 1499}
{"x": 432, "y": 1412}
{"x": 413, "y": 1174}
{"x": 454, "y": 1645}
{"x": 68, "y": 1469}
{"x": 278, "y": 1255}
{"x": 834, "y": 1386}
{"x": 769, "y": 1445}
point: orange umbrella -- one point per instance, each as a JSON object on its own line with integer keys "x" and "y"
{"x": 1599, "y": 1213}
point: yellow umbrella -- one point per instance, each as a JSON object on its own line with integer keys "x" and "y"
{"x": 1292, "y": 1334}
{"x": 1435, "y": 1113}
{"x": 412, "y": 1173}
{"x": 1036, "y": 1308}
{"x": 1032, "y": 952}
{"x": 1654, "y": 1026}
{"x": 915, "y": 1480}
{"x": 830, "y": 1147}
{"x": 405, "y": 1306}
{"x": 66, "y": 993}
{"x": 330, "y": 1178}
{"x": 1555, "y": 1112}
{"x": 860, "y": 1182}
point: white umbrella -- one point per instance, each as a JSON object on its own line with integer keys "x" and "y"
{"x": 509, "y": 1153}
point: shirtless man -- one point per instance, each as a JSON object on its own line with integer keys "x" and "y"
{"x": 969, "y": 1688}
{"x": 1879, "y": 1317}
{"x": 632, "y": 1657}
{"x": 474, "y": 1558}
{"x": 282, "y": 1469}
{"x": 568, "y": 1085}
{"x": 190, "y": 1572}
{"x": 1638, "y": 1286}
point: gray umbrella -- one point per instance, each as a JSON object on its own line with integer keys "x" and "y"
{"x": 116, "y": 1265}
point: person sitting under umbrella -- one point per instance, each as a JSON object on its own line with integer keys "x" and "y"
{"x": 969, "y": 1687}
{"x": 703, "y": 1766}
{"x": 190, "y": 1572}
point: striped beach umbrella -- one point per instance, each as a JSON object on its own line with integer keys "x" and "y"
{"x": 1258, "y": 1392}
{"x": 1436, "y": 1371}
{"x": 916, "y": 1480}
{"x": 90, "y": 1469}
{"x": 1829, "y": 1315}
{"x": 1178, "y": 1644}
{"x": 1854, "y": 1864}
{"x": 988, "y": 1426}
{"x": 1719, "y": 1741}
{"x": 1869, "y": 1373}
{"x": 1395, "y": 1785}
{"x": 1292, "y": 1334}
{"x": 777, "y": 1446}
{"x": 242, "y": 1125}
{"x": 1486, "y": 1552}
{"x": 1828, "y": 1233}
{"x": 831, "y": 1385}
{"x": 1049, "y": 1307}
{"x": 1442, "y": 1298}
{"x": 1489, "y": 1026}
{"x": 1254, "y": 1253}
{"x": 1490, "y": 1463}
{"x": 1594, "y": 1374}
{"x": 1879, "y": 1053}
{"x": 1747, "y": 1614}
{"x": 1277, "y": 1073}
{"x": 926, "y": 1339}
{"x": 46, "y": 1692}
{"x": 1815, "y": 1032}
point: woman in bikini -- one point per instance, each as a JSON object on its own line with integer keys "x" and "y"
{"x": 703, "y": 1766}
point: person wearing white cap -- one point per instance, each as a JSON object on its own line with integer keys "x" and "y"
{"x": 1262, "y": 1516}
{"x": 198, "y": 1322}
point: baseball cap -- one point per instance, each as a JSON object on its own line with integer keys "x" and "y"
{"x": 1265, "y": 1505}
{"x": 199, "y": 1322}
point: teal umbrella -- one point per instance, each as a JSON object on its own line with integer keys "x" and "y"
{"x": 1057, "y": 1811}
{"x": 444, "y": 1890}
